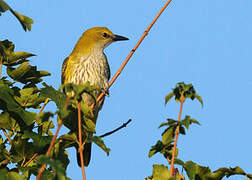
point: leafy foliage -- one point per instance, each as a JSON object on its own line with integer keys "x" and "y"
{"x": 164, "y": 147}
{"x": 28, "y": 134}
{"x": 183, "y": 91}
{"x": 25, "y": 21}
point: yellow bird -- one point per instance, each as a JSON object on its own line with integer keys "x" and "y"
{"x": 87, "y": 62}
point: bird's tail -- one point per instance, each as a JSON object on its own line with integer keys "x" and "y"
{"x": 86, "y": 155}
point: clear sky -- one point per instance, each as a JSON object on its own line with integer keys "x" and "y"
{"x": 206, "y": 43}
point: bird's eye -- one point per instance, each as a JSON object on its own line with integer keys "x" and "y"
{"x": 105, "y": 35}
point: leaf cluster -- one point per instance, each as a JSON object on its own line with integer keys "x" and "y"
{"x": 25, "y": 21}
{"x": 30, "y": 133}
{"x": 183, "y": 91}
{"x": 165, "y": 146}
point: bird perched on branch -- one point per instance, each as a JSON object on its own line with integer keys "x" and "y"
{"x": 87, "y": 62}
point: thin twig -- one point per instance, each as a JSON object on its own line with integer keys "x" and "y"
{"x": 117, "y": 129}
{"x": 80, "y": 142}
{"x": 1, "y": 66}
{"x": 41, "y": 170}
{"x": 172, "y": 170}
{"x": 7, "y": 136}
{"x": 133, "y": 50}
{"x": 46, "y": 102}
{"x": 36, "y": 154}
{"x": 31, "y": 159}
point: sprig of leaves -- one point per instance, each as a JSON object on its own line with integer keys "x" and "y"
{"x": 25, "y": 21}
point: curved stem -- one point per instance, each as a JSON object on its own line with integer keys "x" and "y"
{"x": 176, "y": 136}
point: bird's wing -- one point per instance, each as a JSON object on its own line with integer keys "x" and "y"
{"x": 63, "y": 70}
{"x": 108, "y": 68}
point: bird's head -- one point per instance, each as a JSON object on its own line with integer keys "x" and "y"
{"x": 97, "y": 38}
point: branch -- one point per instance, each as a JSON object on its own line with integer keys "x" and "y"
{"x": 80, "y": 142}
{"x": 117, "y": 129}
{"x": 172, "y": 170}
{"x": 1, "y": 65}
{"x": 31, "y": 159}
{"x": 41, "y": 170}
{"x": 133, "y": 50}
{"x": 7, "y": 136}
{"x": 46, "y": 102}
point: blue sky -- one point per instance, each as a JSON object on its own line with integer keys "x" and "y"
{"x": 206, "y": 43}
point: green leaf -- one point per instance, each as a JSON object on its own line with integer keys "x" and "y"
{"x": 40, "y": 142}
{"x": 68, "y": 140}
{"x": 3, "y": 6}
{"x": 44, "y": 123}
{"x": 182, "y": 130}
{"x": 160, "y": 172}
{"x": 56, "y": 165}
{"x": 8, "y": 122}
{"x": 168, "y": 97}
{"x": 179, "y": 161}
{"x": 10, "y": 175}
{"x": 26, "y": 73}
{"x": 20, "y": 149}
{"x": 90, "y": 125}
{"x": 188, "y": 121}
{"x": 195, "y": 171}
{"x": 58, "y": 97}
{"x": 24, "y": 20}
{"x": 99, "y": 142}
{"x": 11, "y": 58}
{"x": 28, "y": 97}
{"x": 158, "y": 147}
{"x": 199, "y": 98}
{"x": 163, "y": 124}
{"x": 168, "y": 134}
{"x": 4, "y": 154}
{"x": 7, "y": 100}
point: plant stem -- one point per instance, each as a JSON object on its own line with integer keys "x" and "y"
{"x": 41, "y": 170}
{"x": 45, "y": 103}
{"x": 31, "y": 159}
{"x": 80, "y": 142}
{"x": 7, "y": 136}
{"x": 117, "y": 129}
{"x": 133, "y": 50}
{"x": 182, "y": 99}
{"x": 1, "y": 66}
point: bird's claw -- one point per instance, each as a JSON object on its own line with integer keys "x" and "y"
{"x": 105, "y": 91}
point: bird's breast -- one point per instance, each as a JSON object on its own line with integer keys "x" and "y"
{"x": 93, "y": 68}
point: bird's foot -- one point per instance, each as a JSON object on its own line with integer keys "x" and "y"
{"x": 105, "y": 91}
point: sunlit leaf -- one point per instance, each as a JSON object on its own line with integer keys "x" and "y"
{"x": 56, "y": 96}
{"x": 199, "y": 98}
{"x": 24, "y": 20}
{"x": 168, "y": 97}
{"x": 168, "y": 134}
{"x": 99, "y": 142}
{"x": 10, "y": 175}
{"x": 158, "y": 147}
{"x": 160, "y": 172}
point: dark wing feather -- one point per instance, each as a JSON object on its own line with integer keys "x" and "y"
{"x": 108, "y": 68}
{"x": 63, "y": 69}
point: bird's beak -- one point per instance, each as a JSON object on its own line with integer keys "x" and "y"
{"x": 119, "y": 38}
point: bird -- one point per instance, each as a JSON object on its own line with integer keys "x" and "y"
{"x": 88, "y": 63}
